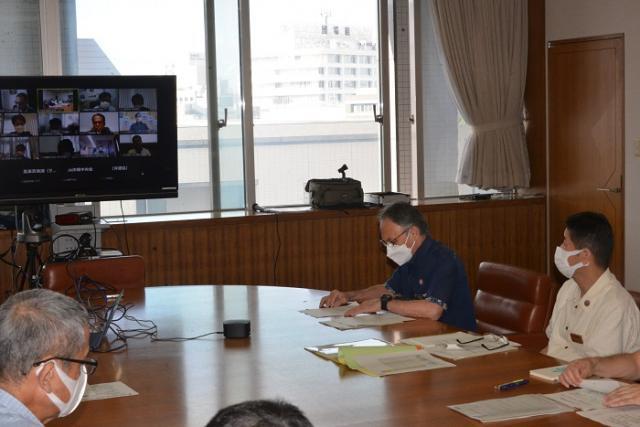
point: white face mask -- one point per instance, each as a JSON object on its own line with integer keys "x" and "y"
{"x": 561, "y": 258}
{"x": 76, "y": 390}
{"x": 400, "y": 254}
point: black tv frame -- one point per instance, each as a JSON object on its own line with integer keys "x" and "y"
{"x": 109, "y": 178}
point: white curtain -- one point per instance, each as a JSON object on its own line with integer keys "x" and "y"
{"x": 484, "y": 48}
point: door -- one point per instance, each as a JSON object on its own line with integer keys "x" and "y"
{"x": 586, "y": 134}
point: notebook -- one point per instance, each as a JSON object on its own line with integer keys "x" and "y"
{"x": 551, "y": 374}
{"x": 95, "y": 338}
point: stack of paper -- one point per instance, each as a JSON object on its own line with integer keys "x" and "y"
{"x": 366, "y": 320}
{"x": 461, "y": 345}
{"x": 378, "y": 358}
{"x": 625, "y": 416}
{"x": 330, "y": 351}
{"x": 386, "y": 198}
{"x": 381, "y": 361}
{"x": 589, "y": 399}
{"x": 107, "y": 391}
{"x": 510, "y": 408}
{"x": 327, "y": 312}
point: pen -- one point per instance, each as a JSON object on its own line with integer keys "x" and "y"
{"x": 511, "y": 384}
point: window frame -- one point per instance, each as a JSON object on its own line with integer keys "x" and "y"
{"x": 51, "y": 31}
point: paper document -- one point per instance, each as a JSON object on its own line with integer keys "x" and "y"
{"x": 396, "y": 363}
{"x": 601, "y": 385}
{"x": 579, "y": 398}
{"x": 328, "y": 312}
{"x": 107, "y": 391}
{"x": 347, "y": 355}
{"x": 330, "y": 351}
{"x": 510, "y": 408}
{"x": 366, "y": 320}
{"x": 625, "y": 416}
{"x": 461, "y": 345}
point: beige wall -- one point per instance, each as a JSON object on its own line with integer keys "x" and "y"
{"x": 567, "y": 19}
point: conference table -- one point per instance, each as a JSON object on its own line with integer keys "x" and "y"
{"x": 186, "y": 383}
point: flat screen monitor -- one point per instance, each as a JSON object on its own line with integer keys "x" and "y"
{"x": 87, "y": 138}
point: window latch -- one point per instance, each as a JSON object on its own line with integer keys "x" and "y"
{"x": 379, "y": 118}
{"x": 223, "y": 122}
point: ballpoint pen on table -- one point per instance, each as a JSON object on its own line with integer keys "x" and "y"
{"x": 511, "y": 384}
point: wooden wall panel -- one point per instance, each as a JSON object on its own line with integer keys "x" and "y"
{"x": 322, "y": 249}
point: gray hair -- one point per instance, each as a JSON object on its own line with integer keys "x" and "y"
{"x": 405, "y": 216}
{"x": 35, "y": 324}
{"x": 260, "y": 413}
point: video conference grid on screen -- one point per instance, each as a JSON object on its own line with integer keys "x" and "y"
{"x": 77, "y": 123}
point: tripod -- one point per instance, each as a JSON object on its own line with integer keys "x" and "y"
{"x": 32, "y": 237}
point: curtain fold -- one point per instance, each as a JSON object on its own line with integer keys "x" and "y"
{"x": 484, "y": 50}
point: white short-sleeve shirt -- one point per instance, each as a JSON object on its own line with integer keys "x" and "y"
{"x": 602, "y": 322}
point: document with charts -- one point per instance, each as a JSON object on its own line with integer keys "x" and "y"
{"x": 366, "y": 320}
{"x": 462, "y": 345}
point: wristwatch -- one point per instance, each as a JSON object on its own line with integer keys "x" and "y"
{"x": 384, "y": 300}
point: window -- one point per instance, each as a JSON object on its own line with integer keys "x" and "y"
{"x": 443, "y": 128}
{"x": 101, "y": 49}
{"x": 295, "y": 130}
{"x": 20, "y": 45}
{"x": 311, "y": 139}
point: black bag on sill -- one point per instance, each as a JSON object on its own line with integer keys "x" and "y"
{"x": 335, "y": 193}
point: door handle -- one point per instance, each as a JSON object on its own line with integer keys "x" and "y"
{"x": 223, "y": 122}
{"x": 610, "y": 190}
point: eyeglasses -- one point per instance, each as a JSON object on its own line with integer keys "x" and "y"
{"x": 497, "y": 341}
{"x": 494, "y": 341}
{"x": 394, "y": 240}
{"x": 89, "y": 364}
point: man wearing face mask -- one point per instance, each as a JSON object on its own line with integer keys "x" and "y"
{"x": 593, "y": 314}
{"x": 104, "y": 102}
{"x": 44, "y": 342}
{"x": 429, "y": 282}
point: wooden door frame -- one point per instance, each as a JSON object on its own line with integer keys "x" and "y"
{"x": 620, "y": 129}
